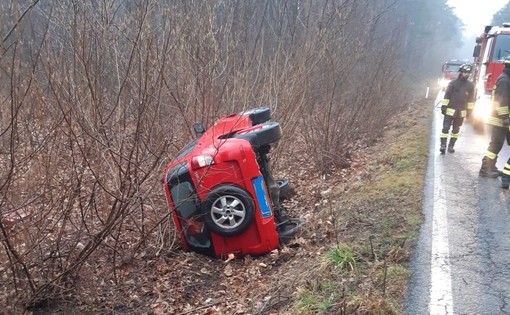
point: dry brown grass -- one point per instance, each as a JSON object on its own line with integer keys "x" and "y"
{"x": 377, "y": 214}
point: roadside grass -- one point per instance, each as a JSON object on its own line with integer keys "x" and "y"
{"x": 365, "y": 269}
{"x": 341, "y": 257}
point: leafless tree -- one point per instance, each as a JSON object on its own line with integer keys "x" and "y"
{"x": 96, "y": 96}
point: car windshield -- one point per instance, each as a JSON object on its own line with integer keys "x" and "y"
{"x": 501, "y": 47}
{"x": 452, "y": 67}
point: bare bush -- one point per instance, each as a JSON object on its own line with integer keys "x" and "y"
{"x": 96, "y": 96}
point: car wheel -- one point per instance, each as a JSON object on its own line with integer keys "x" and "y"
{"x": 284, "y": 186}
{"x": 228, "y": 210}
{"x": 258, "y": 115}
{"x": 266, "y": 133}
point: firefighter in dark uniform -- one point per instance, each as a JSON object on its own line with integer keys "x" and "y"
{"x": 499, "y": 122}
{"x": 458, "y": 103}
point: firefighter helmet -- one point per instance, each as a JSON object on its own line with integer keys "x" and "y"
{"x": 466, "y": 68}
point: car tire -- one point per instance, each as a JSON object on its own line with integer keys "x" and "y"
{"x": 258, "y": 115}
{"x": 286, "y": 230}
{"x": 269, "y": 133}
{"x": 285, "y": 189}
{"x": 228, "y": 210}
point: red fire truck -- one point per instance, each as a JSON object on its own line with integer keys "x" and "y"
{"x": 450, "y": 72}
{"x": 492, "y": 46}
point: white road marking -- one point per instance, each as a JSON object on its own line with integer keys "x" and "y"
{"x": 441, "y": 301}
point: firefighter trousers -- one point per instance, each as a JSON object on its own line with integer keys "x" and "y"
{"x": 498, "y": 136}
{"x": 448, "y": 121}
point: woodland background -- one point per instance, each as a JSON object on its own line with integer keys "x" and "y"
{"x": 97, "y": 96}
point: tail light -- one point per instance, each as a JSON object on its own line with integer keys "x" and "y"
{"x": 200, "y": 161}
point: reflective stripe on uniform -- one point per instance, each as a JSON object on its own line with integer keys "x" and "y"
{"x": 455, "y": 135}
{"x": 463, "y": 113}
{"x": 502, "y": 110}
{"x": 495, "y": 121}
{"x": 471, "y": 105}
{"x": 506, "y": 169}
{"x": 443, "y": 135}
{"x": 491, "y": 155}
{"x": 446, "y": 101}
{"x": 450, "y": 111}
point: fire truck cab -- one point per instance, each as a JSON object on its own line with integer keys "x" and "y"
{"x": 450, "y": 72}
{"x": 491, "y": 48}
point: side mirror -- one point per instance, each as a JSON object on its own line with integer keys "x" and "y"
{"x": 476, "y": 51}
{"x": 199, "y": 129}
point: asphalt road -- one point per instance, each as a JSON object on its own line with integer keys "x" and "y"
{"x": 461, "y": 263}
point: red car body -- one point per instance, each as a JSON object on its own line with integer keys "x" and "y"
{"x": 216, "y": 189}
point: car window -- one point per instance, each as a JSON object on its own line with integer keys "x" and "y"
{"x": 182, "y": 197}
{"x": 187, "y": 149}
{"x": 185, "y": 203}
{"x": 501, "y": 48}
{"x": 452, "y": 68}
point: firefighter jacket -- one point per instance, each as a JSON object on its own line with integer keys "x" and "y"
{"x": 501, "y": 100}
{"x": 459, "y": 98}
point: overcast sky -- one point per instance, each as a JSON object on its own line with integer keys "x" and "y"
{"x": 476, "y": 13}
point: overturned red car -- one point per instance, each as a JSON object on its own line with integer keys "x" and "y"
{"x": 220, "y": 190}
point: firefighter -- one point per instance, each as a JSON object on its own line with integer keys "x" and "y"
{"x": 499, "y": 122}
{"x": 458, "y": 103}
